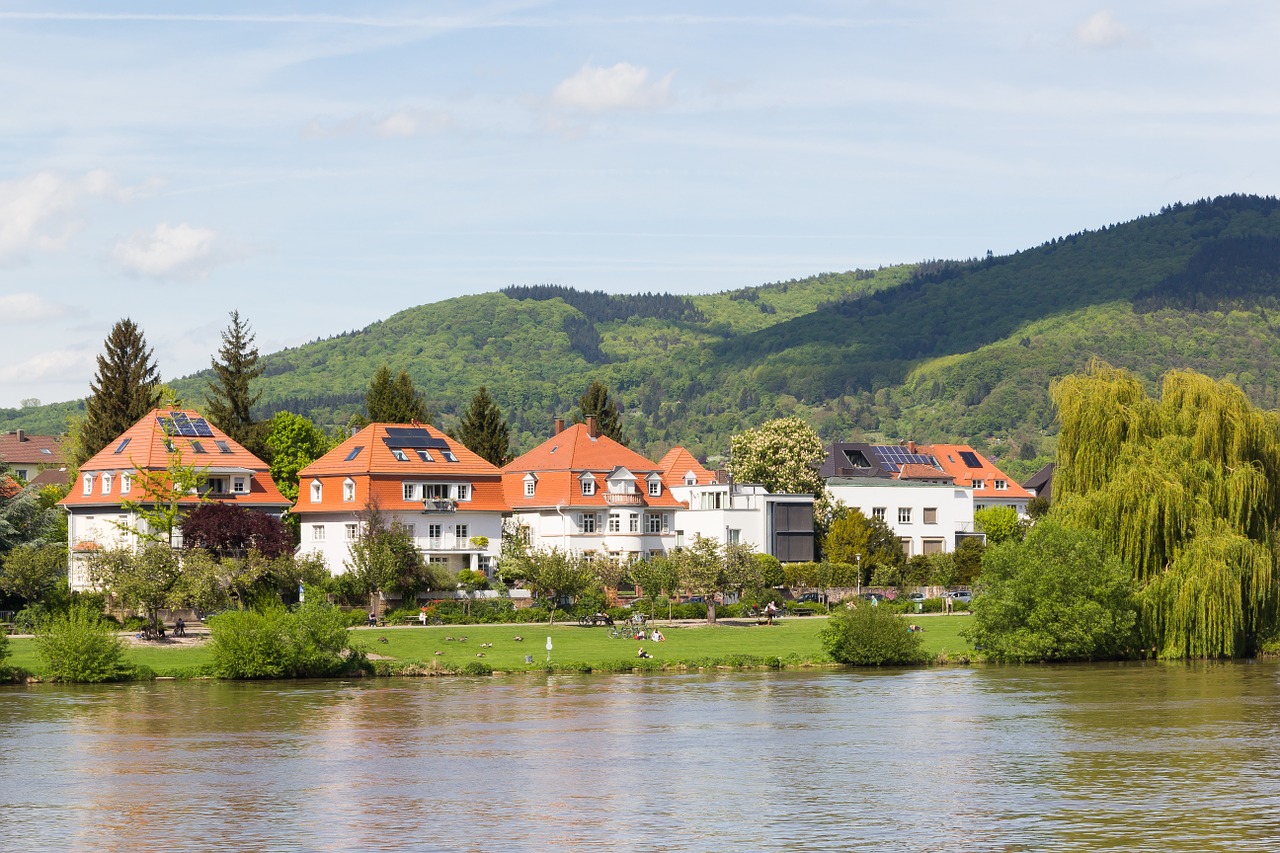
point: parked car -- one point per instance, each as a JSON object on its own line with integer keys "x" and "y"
{"x": 811, "y": 596}
{"x": 916, "y": 596}
{"x": 961, "y": 595}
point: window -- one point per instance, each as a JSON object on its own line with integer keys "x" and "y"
{"x": 239, "y": 485}
{"x": 434, "y": 532}
{"x": 713, "y": 500}
{"x": 1001, "y": 485}
{"x": 529, "y": 486}
{"x": 317, "y": 533}
{"x": 979, "y": 484}
{"x": 977, "y": 507}
{"x": 655, "y": 488}
{"x": 317, "y": 491}
{"x": 449, "y": 456}
{"x": 691, "y": 479}
{"x": 126, "y": 483}
{"x": 464, "y": 491}
{"x": 438, "y": 561}
{"x": 904, "y": 515}
{"x": 425, "y": 455}
{"x": 615, "y": 523}
{"x": 348, "y": 490}
{"x": 931, "y": 546}
{"x": 461, "y": 532}
{"x": 586, "y": 522}
{"x": 106, "y": 484}
{"x": 588, "y": 486}
{"x": 931, "y": 515}
{"x": 197, "y": 446}
{"x": 410, "y": 491}
{"x": 355, "y": 451}
{"x": 88, "y": 484}
{"x": 878, "y": 512}
{"x": 633, "y": 523}
{"x": 223, "y": 447}
{"x": 399, "y": 454}
{"x": 409, "y": 528}
{"x": 124, "y": 442}
{"x": 653, "y": 523}
{"x": 906, "y": 547}
{"x": 217, "y": 485}
{"x": 352, "y": 531}
{"x": 735, "y": 536}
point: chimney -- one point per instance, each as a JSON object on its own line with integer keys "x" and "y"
{"x": 911, "y": 447}
{"x": 591, "y": 426}
{"x": 557, "y": 426}
{"x": 22, "y": 435}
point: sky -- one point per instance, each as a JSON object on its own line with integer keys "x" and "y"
{"x": 319, "y": 166}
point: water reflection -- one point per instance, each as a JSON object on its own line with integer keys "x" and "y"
{"x": 1124, "y": 757}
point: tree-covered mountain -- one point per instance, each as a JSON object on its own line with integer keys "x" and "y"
{"x": 941, "y": 350}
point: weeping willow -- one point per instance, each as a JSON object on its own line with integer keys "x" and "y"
{"x": 1185, "y": 489}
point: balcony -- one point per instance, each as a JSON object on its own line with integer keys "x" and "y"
{"x": 432, "y": 505}
{"x": 624, "y": 499}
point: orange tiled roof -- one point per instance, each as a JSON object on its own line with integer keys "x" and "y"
{"x": 145, "y": 447}
{"x": 918, "y": 471}
{"x": 949, "y": 457}
{"x": 677, "y": 462}
{"x": 559, "y": 463}
{"x": 369, "y": 459}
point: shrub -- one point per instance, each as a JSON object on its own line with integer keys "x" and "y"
{"x": 311, "y": 641}
{"x": 80, "y": 646}
{"x": 870, "y": 636}
{"x": 4, "y": 647}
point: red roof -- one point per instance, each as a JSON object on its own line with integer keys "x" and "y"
{"x": 958, "y": 461}
{"x": 146, "y": 446}
{"x": 678, "y": 462}
{"x": 560, "y": 463}
{"x": 19, "y": 448}
{"x": 380, "y": 458}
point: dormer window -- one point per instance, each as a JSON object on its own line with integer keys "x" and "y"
{"x": 530, "y": 485}
{"x": 588, "y": 486}
{"x": 317, "y": 491}
{"x": 1001, "y": 485}
{"x": 979, "y": 484}
{"x": 464, "y": 491}
{"x": 691, "y": 479}
{"x": 126, "y": 483}
{"x": 106, "y": 484}
{"x": 348, "y": 490}
{"x": 655, "y": 487}
{"x": 239, "y": 485}
{"x": 88, "y": 484}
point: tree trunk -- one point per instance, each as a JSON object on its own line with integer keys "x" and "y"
{"x": 711, "y": 610}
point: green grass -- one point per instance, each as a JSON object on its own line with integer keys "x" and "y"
{"x": 790, "y": 642}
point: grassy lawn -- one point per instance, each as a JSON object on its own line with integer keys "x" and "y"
{"x": 794, "y": 640}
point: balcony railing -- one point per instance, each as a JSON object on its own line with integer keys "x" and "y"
{"x": 438, "y": 505}
{"x": 624, "y": 499}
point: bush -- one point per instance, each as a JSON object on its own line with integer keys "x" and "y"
{"x": 80, "y": 646}
{"x": 4, "y": 647}
{"x": 311, "y": 641}
{"x": 870, "y": 636}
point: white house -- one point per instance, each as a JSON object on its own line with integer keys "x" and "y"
{"x": 927, "y": 517}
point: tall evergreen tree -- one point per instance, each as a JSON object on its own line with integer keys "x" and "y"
{"x": 484, "y": 430}
{"x": 598, "y": 404}
{"x": 395, "y": 400}
{"x": 126, "y": 387}
{"x": 228, "y": 401}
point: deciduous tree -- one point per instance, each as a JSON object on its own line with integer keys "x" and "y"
{"x": 293, "y": 443}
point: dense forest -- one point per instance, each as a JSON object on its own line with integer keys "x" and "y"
{"x": 940, "y": 350}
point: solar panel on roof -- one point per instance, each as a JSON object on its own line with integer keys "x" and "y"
{"x": 970, "y": 458}
{"x": 412, "y": 438}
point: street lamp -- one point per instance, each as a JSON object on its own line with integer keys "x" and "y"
{"x": 857, "y": 559}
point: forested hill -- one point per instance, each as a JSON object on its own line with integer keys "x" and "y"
{"x": 939, "y": 350}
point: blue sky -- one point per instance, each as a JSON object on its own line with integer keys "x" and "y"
{"x": 321, "y": 166}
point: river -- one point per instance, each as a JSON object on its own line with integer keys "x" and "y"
{"x": 1161, "y": 757}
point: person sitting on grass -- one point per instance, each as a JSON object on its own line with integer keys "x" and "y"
{"x": 656, "y": 636}
{"x": 641, "y": 653}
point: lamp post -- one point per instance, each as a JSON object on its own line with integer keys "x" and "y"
{"x": 857, "y": 560}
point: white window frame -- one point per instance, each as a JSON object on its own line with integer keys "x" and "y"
{"x": 410, "y": 491}
{"x": 348, "y": 490}
{"x": 979, "y": 484}
{"x": 633, "y": 524}
{"x": 126, "y": 482}
{"x": 352, "y": 531}
{"x": 586, "y": 522}
{"x": 655, "y": 488}
{"x": 588, "y": 486}
{"x": 239, "y": 485}
{"x": 464, "y": 491}
{"x": 462, "y": 534}
{"x": 904, "y": 515}
{"x": 317, "y": 533}
{"x": 653, "y": 522}
{"x": 530, "y": 486}
{"x": 1001, "y": 485}
{"x": 88, "y": 484}
{"x": 317, "y": 491}
{"x": 878, "y": 512}
{"x": 106, "y": 483}
{"x": 615, "y": 522}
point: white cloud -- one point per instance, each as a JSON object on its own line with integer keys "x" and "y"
{"x": 43, "y": 211}
{"x": 18, "y": 309}
{"x": 51, "y": 366}
{"x": 173, "y": 252}
{"x": 1103, "y": 30}
{"x": 624, "y": 86}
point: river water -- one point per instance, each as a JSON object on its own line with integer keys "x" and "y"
{"x": 1161, "y": 757}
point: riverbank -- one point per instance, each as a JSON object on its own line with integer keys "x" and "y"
{"x": 417, "y": 650}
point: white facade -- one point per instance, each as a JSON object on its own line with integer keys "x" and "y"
{"x": 627, "y": 532}
{"x": 733, "y": 514}
{"x": 444, "y": 538}
{"x": 927, "y": 517}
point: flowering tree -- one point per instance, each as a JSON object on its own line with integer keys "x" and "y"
{"x": 784, "y": 456}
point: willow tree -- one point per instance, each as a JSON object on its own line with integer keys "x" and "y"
{"x": 1187, "y": 490}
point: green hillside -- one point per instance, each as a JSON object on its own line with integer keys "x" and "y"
{"x": 960, "y": 350}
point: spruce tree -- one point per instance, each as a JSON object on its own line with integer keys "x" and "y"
{"x": 596, "y": 403}
{"x": 484, "y": 430}
{"x": 228, "y": 401}
{"x": 394, "y": 400}
{"x": 126, "y": 387}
